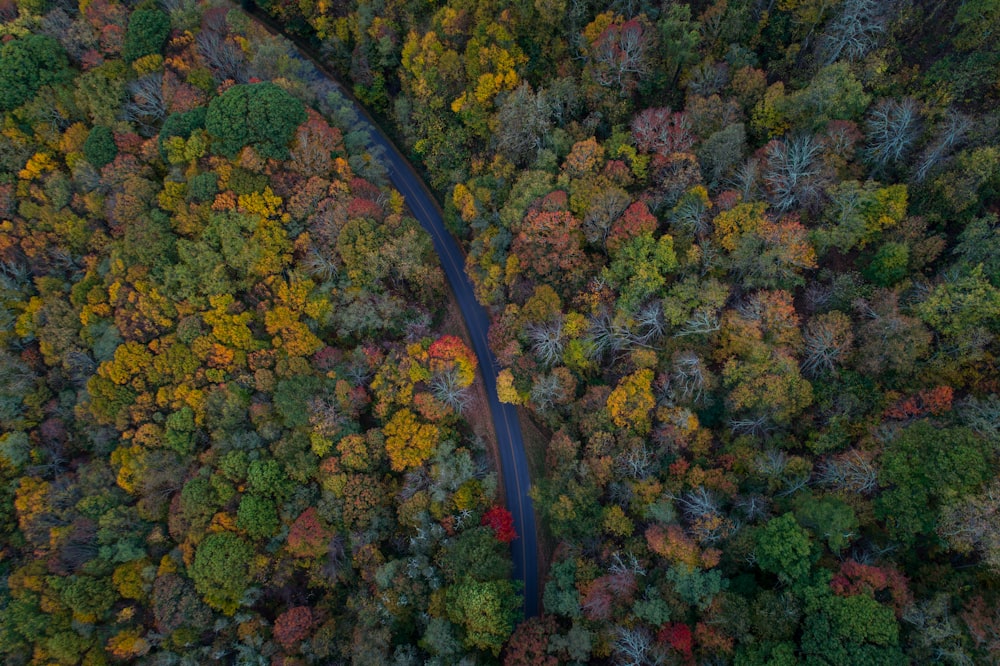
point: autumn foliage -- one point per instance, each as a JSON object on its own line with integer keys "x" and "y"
{"x": 501, "y": 522}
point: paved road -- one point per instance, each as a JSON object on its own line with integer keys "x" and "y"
{"x": 511, "y": 444}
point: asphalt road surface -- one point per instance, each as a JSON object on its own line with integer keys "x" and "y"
{"x": 514, "y": 464}
{"x": 512, "y": 459}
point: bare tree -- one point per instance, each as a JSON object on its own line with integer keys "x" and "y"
{"x": 522, "y": 124}
{"x": 792, "y": 171}
{"x": 691, "y": 215}
{"x": 754, "y": 507}
{"x": 222, "y": 56}
{"x": 757, "y": 426}
{"x": 637, "y": 461}
{"x": 147, "y": 105}
{"x": 660, "y": 130}
{"x": 950, "y": 135}
{"x": 547, "y": 341}
{"x": 828, "y": 339}
{"x": 937, "y": 635}
{"x": 746, "y": 179}
{"x": 606, "y": 207}
{"x": 702, "y": 322}
{"x": 972, "y": 524}
{"x": 325, "y": 416}
{"x": 855, "y": 31}
{"x": 707, "y": 77}
{"x": 547, "y": 391}
{"x": 853, "y": 471}
{"x": 651, "y": 323}
{"x": 605, "y": 334}
{"x": 320, "y": 264}
{"x": 634, "y": 647}
{"x": 446, "y": 387}
{"x": 891, "y": 128}
{"x": 771, "y": 463}
{"x": 983, "y": 416}
{"x": 690, "y": 376}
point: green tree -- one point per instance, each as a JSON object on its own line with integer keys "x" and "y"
{"x": 890, "y": 264}
{"x": 220, "y": 570}
{"x": 640, "y": 268}
{"x": 100, "y": 148}
{"x": 784, "y": 549}
{"x": 258, "y": 516}
{"x": 486, "y": 611}
{"x": 475, "y": 554}
{"x": 832, "y": 94}
{"x": 89, "y": 598}
{"x": 849, "y": 630}
{"x": 957, "y": 307}
{"x": 924, "y": 467}
{"x": 147, "y": 33}
{"x": 260, "y": 115}
{"x": 828, "y": 518}
{"x": 27, "y": 64}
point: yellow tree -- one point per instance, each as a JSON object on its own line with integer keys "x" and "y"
{"x": 408, "y": 441}
{"x": 632, "y": 401}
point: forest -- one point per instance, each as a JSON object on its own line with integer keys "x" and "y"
{"x": 742, "y": 261}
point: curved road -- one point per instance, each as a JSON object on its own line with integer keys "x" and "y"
{"x": 426, "y": 210}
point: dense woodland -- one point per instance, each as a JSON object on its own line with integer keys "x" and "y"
{"x": 232, "y": 424}
{"x": 743, "y": 262}
{"x": 744, "y": 267}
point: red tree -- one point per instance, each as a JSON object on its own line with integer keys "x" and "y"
{"x": 529, "y": 642}
{"x": 678, "y": 636}
{"x": 307, "y": 536}
{"x": 501, "y": 522}
{"x": 293, "y": 626}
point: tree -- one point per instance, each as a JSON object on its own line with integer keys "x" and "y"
{"x": 89, "y": 598}
{"x": 522, "y": 124}
{"x": 485, "y": 610}
{"x": 100, "y": 148}
{"x": 856, "y": 629}
{"x": 858, "y": 213}
{"x": 891, "y": 128}
{"x": 832, "y": 94}
{"x": 679, "y": 37}
{"x": 632, "y": 401}
{"x": 923, "y": 467}
{"x": 27, "y": 64}
{"x": 639, "y": 268}
{"x": 828, "y": 518}
{"x": 221, "y": 570}
{"x": 147, "y": 33}
{"x": 293, "y": 626}
{"x": 889, "y": 341}
{"x": 958, "y": 307}
{"x": 259, "y": 115}
{"x": 258, "y": 516}
{"x": 784, "y": 549}
{"x": 528, "y": 645}
{"x": 501, "y": 522}
{"x": 659, "y": 130}
{"x": 475, "y": 554}
{"x": 549, "y": 247}
{"x": 408, "y": 441}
